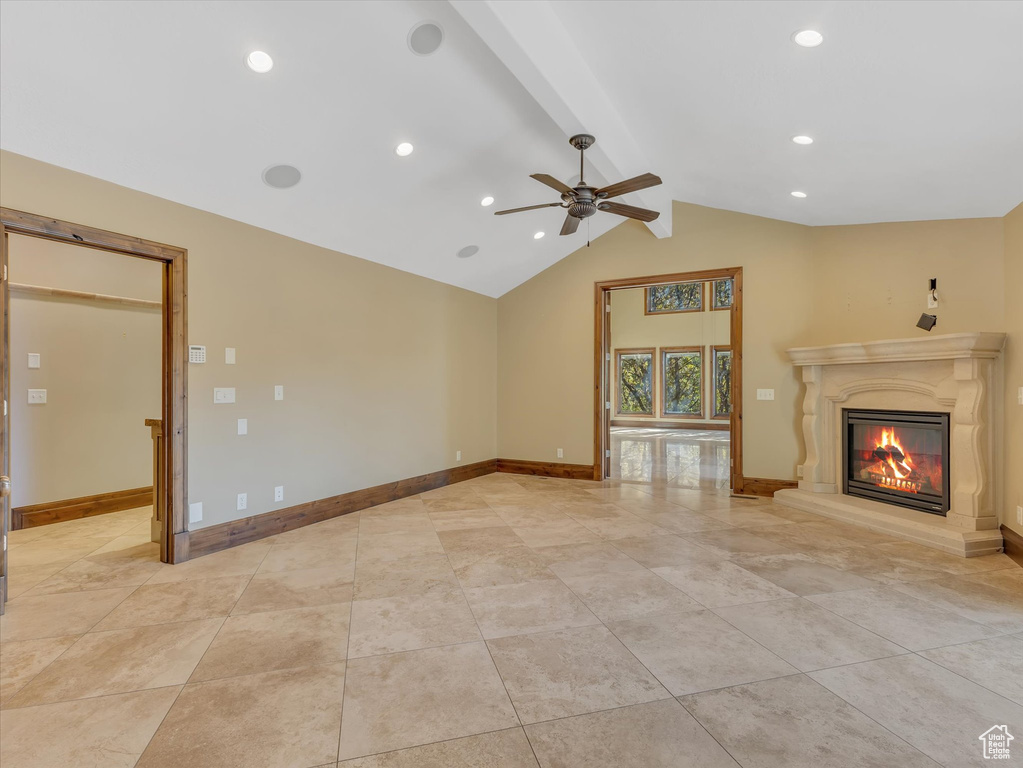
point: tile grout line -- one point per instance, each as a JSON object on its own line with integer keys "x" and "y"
{"x": 348, "y": 640}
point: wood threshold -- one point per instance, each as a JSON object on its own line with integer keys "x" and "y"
{"x": 47, "y": 513}
{"x": 765, "y": 486}
{"x": 1013, "y": 543}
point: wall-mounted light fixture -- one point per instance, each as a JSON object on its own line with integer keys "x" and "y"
{"x": 927, "y": 321}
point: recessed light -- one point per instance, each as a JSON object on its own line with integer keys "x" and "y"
{"x": 802, "y": 140}
{"x": 469, "y": 250}
{"x": 282, "y": 176}
{"x": 404, "y": 149}
{"x": 808, "y": 38}
{"x": 260, "y": 62}
{"x": 488, "y": 200}
{"x": 538, "y": 235}
{"x": 798, "y": 194}
{"x": 425, "y": 38}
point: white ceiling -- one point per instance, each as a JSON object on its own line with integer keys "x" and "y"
{"x": 916, "y": 108}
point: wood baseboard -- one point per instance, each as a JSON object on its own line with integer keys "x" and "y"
{"x": 765, "y": 486}
{"x": 721, "y": 426}
{"x": 217, "y": 537}
{"x": 1013, "y": 543}
{"x": 75, "y": 509}
{"x": 546, "y": 469}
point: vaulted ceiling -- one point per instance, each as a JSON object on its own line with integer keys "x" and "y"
{"x": 916, "y": 111}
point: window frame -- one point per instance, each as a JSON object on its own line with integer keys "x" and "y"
{"x": 710, "y": 292}
{"x": 714, "y": 350}
{"x": 662, "y": 352}
{"x": 652, "y": 351}
{"x": 701, "y": 308}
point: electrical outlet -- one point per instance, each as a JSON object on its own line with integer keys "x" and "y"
{"x": 37, "y": 397}
{"x": 561, "y": 453}
{"x": 1019, "y": 395}
{"x": 195, "y": 512}
{"x": 243, "y": 426}
{"x": 765, "y": 394}
{"x": 223, "y": 394}
{"x": 279, "y": 392}
{"x": 279, "y": 493}
{"x": 799, "y": 471}
{"x": 458, "y": 455}
{"x": 1019, "y": 515}
{"x": 229, "y": 355}
{"x": 243, "y": 501}
{"x": 932, "y": 300}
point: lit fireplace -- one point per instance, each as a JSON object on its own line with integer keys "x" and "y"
{"x": 898, "y": 457}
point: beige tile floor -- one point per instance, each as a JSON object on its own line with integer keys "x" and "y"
{"x": 510, "y": 621}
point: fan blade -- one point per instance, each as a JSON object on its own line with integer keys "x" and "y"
{"x": 571, "y": 225}
{"x": 527, "y": 208}
{"x": 629, "y": 185}
{"x": 631, "y": 211}
{"x": 553, "y": 183}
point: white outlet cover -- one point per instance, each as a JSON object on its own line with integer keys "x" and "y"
{"x": 278, "y": 493}
{"x": 458, "y": 455}
{"x": 36, "y": 396}
{"x": 243, "y": 501}
{"x": 765, "y": 394}
{"x": 561, "y": 453}
{"x": 195, "y": 512}
{"x": 243, "y": 426}
{"x": 223, "y": 394}
{"x": 229, "y": 355}
{"x": 33, "y": 359}
{"x": 279, "y": 392}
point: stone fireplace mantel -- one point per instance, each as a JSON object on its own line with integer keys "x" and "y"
{"x": 956, "y": 374}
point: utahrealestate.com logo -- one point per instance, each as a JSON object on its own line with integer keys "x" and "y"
{"x": 996, "y": 742}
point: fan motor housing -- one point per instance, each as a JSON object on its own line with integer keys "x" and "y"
{"x": 582, "y": 210}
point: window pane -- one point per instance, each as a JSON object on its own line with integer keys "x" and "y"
{"x": 683, "y": 374}
{"x": 680, "y": 297}
{"x": 635, "y": 383}
{"x": 722, "y": 382}
{"x": 722, "y": 293}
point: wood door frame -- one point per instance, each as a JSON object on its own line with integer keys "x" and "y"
{"x": 601, "y": 364}
{"x": 174, "y": 375}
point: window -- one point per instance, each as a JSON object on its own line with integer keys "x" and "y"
{"x": 636, "y": 381}
{"x": 722, "y": 382}
{"x": 677, "y": 297}
{"x": 721, "y": 294}
{"x": 682, "y": 382}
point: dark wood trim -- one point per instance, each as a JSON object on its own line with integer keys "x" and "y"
{"x": 661, "y": 424}
{"x": 602, "y": 346}
{"x": 662, "y": 368}
{"x": 50, "y": 512}
{"x": 1013, "y": 543}
{"x": 217, "y": 537}
{"x": 174, "y": 353}
{"x": 701, "y": 308}
{"x": 652, "y": 351}
{"x": 765, "y": 486}
{"x": 546, "y": 469}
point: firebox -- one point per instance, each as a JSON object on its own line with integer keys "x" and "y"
{"x": 898, "y": 457}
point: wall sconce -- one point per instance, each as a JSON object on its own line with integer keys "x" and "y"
{"x": 927, "y": 321}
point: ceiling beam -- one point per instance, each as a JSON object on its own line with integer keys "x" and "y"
{"x": 531, "y": 41}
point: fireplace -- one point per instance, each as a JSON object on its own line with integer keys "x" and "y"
{"x": 898, "y": 457}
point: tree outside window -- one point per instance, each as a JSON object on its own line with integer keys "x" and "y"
{"x": 721, "y": 294}
{"x": 635, "y": 382}
{"x": 677, "y": 297}
{"x": 682, "y": 381}
{"x": 722, "y": 382}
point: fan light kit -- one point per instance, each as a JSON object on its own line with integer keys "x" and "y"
{"x": 800, "y": 195}
{"x": 488, "y": 200}
{"x": 404, "y": 149}
{"x": 259, "y": 62}
{"x": 808, "y": 38}
{"x": 583, "y": 200}
{"x": 804, "y": 140}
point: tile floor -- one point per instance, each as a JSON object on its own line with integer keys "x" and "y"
{"x": 511, "y": 621}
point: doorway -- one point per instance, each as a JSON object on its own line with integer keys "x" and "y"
{"x": 680, "y": 382}
{"x": 169, "y": 480}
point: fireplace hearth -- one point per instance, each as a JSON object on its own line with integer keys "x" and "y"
{"x": 897, "y": 457}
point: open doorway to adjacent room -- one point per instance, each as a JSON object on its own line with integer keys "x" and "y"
{"x": 668, "y": 380}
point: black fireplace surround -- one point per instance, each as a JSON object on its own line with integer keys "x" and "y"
{"x": 898, "y": 457}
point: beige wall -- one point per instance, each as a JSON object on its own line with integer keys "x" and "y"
{"x": 100, "y": 366}
{"x": 545, "y": 332}
{"x": 632, "y": 327}
{"x": 386, "y": 374}
{"x": 1013, "y": 463}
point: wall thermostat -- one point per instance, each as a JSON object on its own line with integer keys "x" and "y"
{"x": 196, "y": 353}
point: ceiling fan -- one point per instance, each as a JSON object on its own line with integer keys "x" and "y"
{"x": 582, "y": 200}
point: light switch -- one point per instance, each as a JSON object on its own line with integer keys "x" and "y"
{"x": 195, "y": 512}
{"x": 36, "y": 396}
{"x": 279, "y": 392}
{"x": 765, "y": 394}
{"x": 229, "y": 355}
{"x": 33, "y": 359}
{"x": 223, "y": 394}
{"x": 243, "y": 426}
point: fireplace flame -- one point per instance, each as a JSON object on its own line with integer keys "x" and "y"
{"x": 894, "y": 465}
